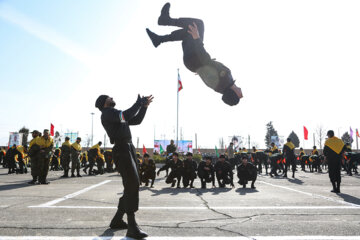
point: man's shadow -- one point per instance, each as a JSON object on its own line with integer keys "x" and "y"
{"x": 295, "y": 180}
{"x": 349, "y": 198}
{"x": 244, "y": 191}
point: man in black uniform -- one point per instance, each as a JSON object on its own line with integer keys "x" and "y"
{"x": 214, "y": 74}
{"x": 262, "y": 160}
{"x": 171, "y": 148}
{"x": 189, "y": 173}
{"x": 147, "y": 171}
{"x": 333, "y": 151}
{"x": 65, "y": 157}
{"x": 116, "y": 124}
{"x": 176, "y": 166}
{"x": 206, "y": 172}
{"x": 224, "y": 173}
{"x": 246, "y": 172}
{"x": 10, "y": 156}
{"x": 289, "y": 153}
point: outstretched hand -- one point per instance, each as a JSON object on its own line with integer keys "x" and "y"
{"x": 194, "y": 32}
{"x": 149, "y": 100}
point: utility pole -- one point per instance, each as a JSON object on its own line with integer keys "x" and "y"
{"x": 92, "y": 128}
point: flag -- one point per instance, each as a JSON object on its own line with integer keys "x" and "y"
{"x": 351, "y": 134}
{"x": 306, "y": 133}
{"x": 216, "y": 151}
{"x": 357, "y": 133}
{"x": 161, "y": 149}
{"x": 144, "y": 149}
{"x": 179, "y": 83}
{"x": 52, "y": 129}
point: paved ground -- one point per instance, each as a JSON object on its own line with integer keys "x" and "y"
{"x": 81, "y": 208}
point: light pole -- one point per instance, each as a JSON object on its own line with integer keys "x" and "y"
{"x": 92, "y": 128}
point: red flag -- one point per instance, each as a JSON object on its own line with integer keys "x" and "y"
{"x": 357, "y": 133}
{"x": 306, "y": 133}
{"x": 52, "y": 129}
{"x": 144, "y": 149}
{"x": 179, "y": 83}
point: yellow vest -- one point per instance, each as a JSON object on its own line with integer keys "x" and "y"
{"x": 66, "y": 143}
{"x": 335, "y": 144}
{"x": 32, "y": 142}
{"x": 43, "y": 143}
{"x": 76, "y": 146}
{"x": 290, "y": 145}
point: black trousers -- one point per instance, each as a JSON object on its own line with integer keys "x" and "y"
{"x": 334, "y": 170}
{"x": 188, "y": 43}
{"x": 124, "y": 156}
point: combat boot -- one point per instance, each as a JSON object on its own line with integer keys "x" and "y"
{"x": 72, "y": 174}
{"x": 334, "y": 187}
{"x": 133, "y": 229}
{"x": 155, "y": 39}
{"x": 165, "y": 19}
{"x": 66, "y": 174}
{"x": 252, "y": 185}
{"x": 117, "y": 222}
{"x": 337, "y": 187}
{"x": 173, "y": 183}
{"x": 33, "y": 181}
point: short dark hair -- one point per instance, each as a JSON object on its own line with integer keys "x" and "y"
{"x": 67, "y": 138}
{"x": 175, "y": 154}
{"x": 146, "y": 155}
{"x": 79, "y": 138}
{"x": 230, "y": 97}
{"x": 330, "y": 133}
{"x": 288, "y": 139}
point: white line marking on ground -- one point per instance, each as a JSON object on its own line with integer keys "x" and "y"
{"x": 312, "y": 194}
{"x": 188, "y": 238}
{"x": 205, "y": 208}
{"x": 53, "y": 202}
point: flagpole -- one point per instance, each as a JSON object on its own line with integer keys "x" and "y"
{"x": 177, "y": 110}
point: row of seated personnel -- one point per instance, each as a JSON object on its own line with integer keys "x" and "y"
{"x": 188, "y": 170}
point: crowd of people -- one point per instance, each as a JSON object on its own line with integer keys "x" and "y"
{"x": 41, "y": 156}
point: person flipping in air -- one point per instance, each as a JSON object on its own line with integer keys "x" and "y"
{"x": 214, "y": 74}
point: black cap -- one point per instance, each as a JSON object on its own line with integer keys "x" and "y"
{"x": 189, "y": 154}
{"x": 100, "y": 101}
{"x": 230, "y": 97}
{"x": 35, "y": 131}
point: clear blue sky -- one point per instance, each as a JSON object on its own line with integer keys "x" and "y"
{"x": 296, "y": 61}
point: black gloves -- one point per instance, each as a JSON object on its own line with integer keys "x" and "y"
{"x": 141, "y": 100}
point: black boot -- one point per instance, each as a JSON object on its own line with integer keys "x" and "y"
{"x": 192, "y": 184}
{"x": 173, "y": 183}
{"x": 72, "y": 174}
{"x": 117, "y": 222}
{"x": 33, "y": 181}
{"x": 66, "y": 174}
{"x": 334, "y": 187}
{"x": 337, "y": 187}
{"x": 244, "y": 185}
{"x": 155, "y": 39}
{"x": 293, "y": 176}
{"x": 133, "y": 229}
{"x": 78, "y": 174}
{"x": 165, "y": 19}
{"x": 252, "y": 185}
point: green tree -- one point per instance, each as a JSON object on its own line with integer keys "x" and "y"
{"x": 346, "y": 138}
{"x": 270, "y": 131}
{"x": 25, "y": 131}
{"x": 294, "y": 139}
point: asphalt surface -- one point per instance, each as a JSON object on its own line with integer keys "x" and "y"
{"x": 277, "y": 208}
